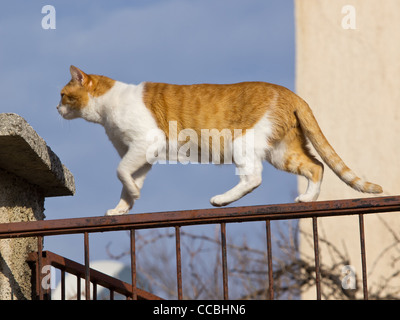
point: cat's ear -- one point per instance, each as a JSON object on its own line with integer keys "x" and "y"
{"x": 78, "y": 75}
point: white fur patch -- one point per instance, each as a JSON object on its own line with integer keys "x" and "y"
{"x": 349, "y": 176}
{"x": 124, "y": 116}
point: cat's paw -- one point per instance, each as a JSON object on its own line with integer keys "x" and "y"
{"x": 117, "y": 212}
{"x": 219, "y": 201}
{"x": 306, "y": 198}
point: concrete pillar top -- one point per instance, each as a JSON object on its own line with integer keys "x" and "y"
{"x": 24, "y": 153}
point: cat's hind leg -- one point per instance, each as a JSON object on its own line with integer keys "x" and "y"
{"x": 313, "y": 172}
{"x": 249, "y": 180}
{"x": 299, "y": 160}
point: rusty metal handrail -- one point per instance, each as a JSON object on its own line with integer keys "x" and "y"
{"x": 220, "y": 216}
{"x": 97, "y": 278}
{"x": 201, "y": 216}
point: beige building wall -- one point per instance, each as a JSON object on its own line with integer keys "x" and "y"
{"x": 351, "y": 79}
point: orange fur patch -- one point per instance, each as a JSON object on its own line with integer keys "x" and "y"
{"x": 209, "y": 106}
{"x": 76, "y": 92}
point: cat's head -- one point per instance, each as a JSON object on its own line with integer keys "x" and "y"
{"x": 79, "y": 93}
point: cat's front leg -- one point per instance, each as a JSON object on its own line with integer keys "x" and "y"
{"x": 123, "y": 206}
{"x": 132, "y": 184}
{"x": 132, "y": 170}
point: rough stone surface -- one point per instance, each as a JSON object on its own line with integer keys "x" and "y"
{"x": 24, "y": 153}
{"x": 19, "y": 201}
{"x": 29, "y": 172}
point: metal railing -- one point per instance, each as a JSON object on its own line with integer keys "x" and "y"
{"x": 97, "y": 278}
{"x": 177, "y": 219}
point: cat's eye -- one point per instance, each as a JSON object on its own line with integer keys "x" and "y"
{"x": 62, "y": 95}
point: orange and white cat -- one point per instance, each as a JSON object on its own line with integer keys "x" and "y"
{"x": 279, "y": 121}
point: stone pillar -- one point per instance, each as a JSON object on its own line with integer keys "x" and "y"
{"x": 29, "y": 172}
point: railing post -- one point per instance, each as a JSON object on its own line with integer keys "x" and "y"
{"x": 269, "y": 257}
{"x": 316, "y": 257}
{"x": 224, "y": 262}
{"x": 178, "y": 261}
{"x": 87, "y": 266}
{"x": 133, "y": 264}
{"x": 363, "y": 256}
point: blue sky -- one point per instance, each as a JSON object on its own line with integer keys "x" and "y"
{"x": 176, "y": 41}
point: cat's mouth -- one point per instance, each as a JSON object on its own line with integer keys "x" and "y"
{"x": 66, "y": 112}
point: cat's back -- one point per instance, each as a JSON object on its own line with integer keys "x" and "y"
{"x": 211, "y": 106}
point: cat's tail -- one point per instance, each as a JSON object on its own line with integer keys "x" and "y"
{"x": 313, "y": 132}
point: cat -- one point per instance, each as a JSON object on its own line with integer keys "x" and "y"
{"x": 279, "y": 121}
